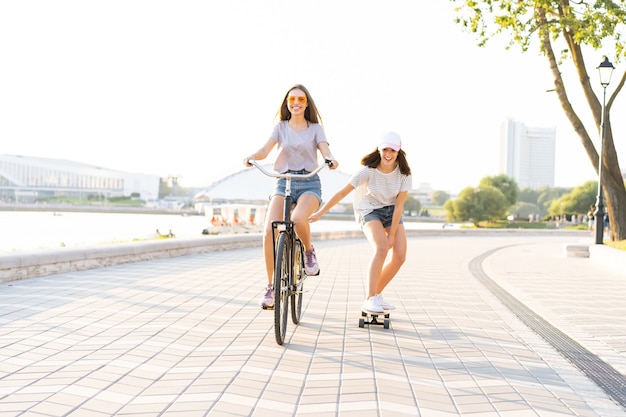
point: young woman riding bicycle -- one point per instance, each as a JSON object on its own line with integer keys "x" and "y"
{"x": 299, "y": 135}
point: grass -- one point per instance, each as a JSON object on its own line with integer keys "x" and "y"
{"x": 505, "y": 224}
{"x": 619, "y": 244}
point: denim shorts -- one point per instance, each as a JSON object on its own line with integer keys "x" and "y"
{"x": 383, "y": 215}
{"x": 300, "y": 186}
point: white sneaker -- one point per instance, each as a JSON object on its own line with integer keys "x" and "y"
{"x": 372, "y": 305}
{"x": 384, "y": 304}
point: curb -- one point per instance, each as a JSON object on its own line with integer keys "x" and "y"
{"x": 23, "y": 265}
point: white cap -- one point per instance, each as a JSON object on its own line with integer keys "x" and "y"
{"x": 390, "y": 140}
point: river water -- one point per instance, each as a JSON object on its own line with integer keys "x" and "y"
{"x": 36, "y": 230}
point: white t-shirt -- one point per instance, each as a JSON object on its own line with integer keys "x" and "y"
{"x": 375, "y": 189}
{"x": 297, "y": 150}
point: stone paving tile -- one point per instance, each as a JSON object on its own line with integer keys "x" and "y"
{"x": 584, "y": 304}
{"x": 185, "y": 337}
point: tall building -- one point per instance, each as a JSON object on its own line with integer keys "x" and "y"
{"x": 528, "y": 154}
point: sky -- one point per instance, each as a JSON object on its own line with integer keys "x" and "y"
{"x": 190, "y": 88}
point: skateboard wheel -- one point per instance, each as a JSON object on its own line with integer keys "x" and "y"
{"x": 361, "y": 323}
{"x": 386, "y": 324}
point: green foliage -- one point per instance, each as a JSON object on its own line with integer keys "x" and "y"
{"x": 590, "y": 22}
{"x": 575, "y": 202}
{"x": 547, "y": 196}
{"x": 504, "y": 183}
{"x": 477, "y": 205}
{"x": 412, "y": 204}
{"x": 528, "y": 195}
{"x": 435, "y": 211}
{"x": 506, "y": 224}
{"x": 440, "y": 197}
{"x": 522, "y": 210}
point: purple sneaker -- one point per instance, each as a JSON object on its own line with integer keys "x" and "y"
{"x": 311, "y": 267}
{"x": 267, "y": 300}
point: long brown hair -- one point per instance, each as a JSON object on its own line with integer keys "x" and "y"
{"x": 372, "y": 159}
{"x": 311, "y": 113}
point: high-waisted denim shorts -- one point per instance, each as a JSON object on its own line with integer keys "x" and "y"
{"x": 300, "y": 186}
{"x": 383, "y": 215}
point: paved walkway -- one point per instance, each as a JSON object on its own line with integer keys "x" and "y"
{"x": 185, "y": 337}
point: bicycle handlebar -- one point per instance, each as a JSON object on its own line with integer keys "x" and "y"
{"x": 327, "y": 162}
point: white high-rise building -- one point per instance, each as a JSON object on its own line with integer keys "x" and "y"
{"x": 527, "y": 154}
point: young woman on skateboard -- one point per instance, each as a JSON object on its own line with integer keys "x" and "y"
{"x": 381, "y": 188}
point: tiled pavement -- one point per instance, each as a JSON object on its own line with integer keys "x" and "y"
{"x": 185, "y": 336}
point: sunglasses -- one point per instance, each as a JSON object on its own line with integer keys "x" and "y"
{"x": 300, "y": 99}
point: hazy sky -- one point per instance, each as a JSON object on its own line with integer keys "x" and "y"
{"x": 189, "y": 88}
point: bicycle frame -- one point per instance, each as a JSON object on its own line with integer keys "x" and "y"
{"x": 288, "y": 263}
{"x": 286, "y": 224}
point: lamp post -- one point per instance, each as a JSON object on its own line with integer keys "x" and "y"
{"x": 605, "y": 69}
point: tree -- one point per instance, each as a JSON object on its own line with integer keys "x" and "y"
{"x": 523, "y": 209}
{"x": 547, "y": 196}
{"x": 440, "y": 198}
{"x": 412, "y": 204}
{"x": 504, "y": 183}
{"x": 477, "y": 205}
{"x": 571, "y": 27}
{"x": 576, "y": 202}
{"x": 528, "y": 195}
{"x": 165, "y": 188}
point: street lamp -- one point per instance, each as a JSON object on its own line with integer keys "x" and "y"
{"x": 605, "y": 70}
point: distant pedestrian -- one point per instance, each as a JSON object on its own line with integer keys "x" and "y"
{"x": 381, "y": 190}
{"x": 591, "y": 214}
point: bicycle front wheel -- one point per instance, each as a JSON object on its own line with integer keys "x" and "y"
{"x": 282, "y": 280}
{"x": 298, "y": 282}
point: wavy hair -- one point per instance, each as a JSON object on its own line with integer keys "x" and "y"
{"x": 311, "y": 114}
{"x": 372, "y": 159}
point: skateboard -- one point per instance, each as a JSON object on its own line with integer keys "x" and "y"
{"x": 368, "y": 317}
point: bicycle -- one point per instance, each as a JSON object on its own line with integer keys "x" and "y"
{"x": 289, "y": 275}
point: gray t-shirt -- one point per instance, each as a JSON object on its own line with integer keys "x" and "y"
{"x": 374, "y": 189}
{"x": 297, "y": 150}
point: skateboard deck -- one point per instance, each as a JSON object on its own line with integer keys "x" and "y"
{"x": 369, "y": 318}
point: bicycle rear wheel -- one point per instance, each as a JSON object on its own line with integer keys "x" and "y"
{"x": 282, "y": 275}
{"x": 298, "y": 282}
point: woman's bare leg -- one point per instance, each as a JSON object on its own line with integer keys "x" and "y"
{"x": 274, "y": 212}
{"x": 307, "y": 204}
{"x": 398, "y": 256}
{"x": 377, "y": 237}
